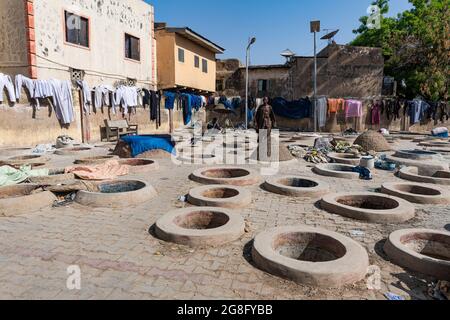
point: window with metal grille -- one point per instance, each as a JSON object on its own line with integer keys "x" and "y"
{"x": 77, "y": 29}
{"x": 180, "y": 55}
{"x": 130, "y": 82}
{"x": 205, "y": 65}
{"x": 132, "y": 47}
{"x": 76, "y": 75}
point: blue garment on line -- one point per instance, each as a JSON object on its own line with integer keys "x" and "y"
{"x": 226, "y": 102}
{"x": 170, "y": 100}
{"x": 297, "y": 109}
{"x": 417, "y": 110}
{"x": 141, "y": 144}
{"x": 187, "y": 108}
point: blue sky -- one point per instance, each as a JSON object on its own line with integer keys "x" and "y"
{"x": 277, "y": 24}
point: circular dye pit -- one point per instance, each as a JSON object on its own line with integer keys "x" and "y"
{"x": 72, "y": 151}
{"x": 345, "y": 158}
{"x": 9, "y": 152}
{"x": 310, "y": 256}
{"x": 417, "y": 193}
{"x": 18, "y": 161}
{"x": 25, "y": 158}
{"x": 421, "y": 250}
{"x": 343, "y": 171}
{"x": 369, "y": 207}
{"x": 94, "y": 160}
{"x": 412, "y": 174}
{"x": 119, "y": 193}
{"x": 416, "y": 154}
{"x": 137, "y": 166}
{"x": 53, "y": 179}
{"x": 202, "y": 226}
{"x": 225, "y": 175}
{"x": 294, "y": 186}
{"x": 198, "y": 158}
{"x": 220, "y": 196}
{"x": 23, "y": 198}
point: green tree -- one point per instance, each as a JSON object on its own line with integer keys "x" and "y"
{"x": 416, "y": 45}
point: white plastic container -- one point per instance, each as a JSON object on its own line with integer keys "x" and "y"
{"x": 367, "y": 162}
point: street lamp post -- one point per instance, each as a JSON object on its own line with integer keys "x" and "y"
{"x": 247, "y": 62}
{"x": 315, "y": 27}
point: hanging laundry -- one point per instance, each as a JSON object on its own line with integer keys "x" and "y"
{"x": 335, "y": 105}
{"x": 6, "y": 82}
{"x": 187, "y": 108}
{"x": 376, "y": 112}
{"x": 169, "y": 100}
{"x": 63, "y": 100}
{"x": 353, "y": 109}
{"x": 102, "y": 96}
{"x": 20, "y": 81}
{"x": 297, "y": 109}
{"x": 417, "y": 110}
{"x": 126, "y": 97}
{"x": 42, "y": 89}
{"x": 321, "y": 105}
{"x": 87, "y": 97}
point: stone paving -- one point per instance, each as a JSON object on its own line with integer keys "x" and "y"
{"x": 120, "y": 258}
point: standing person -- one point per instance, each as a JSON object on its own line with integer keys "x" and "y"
{"x": 265, "y": 120}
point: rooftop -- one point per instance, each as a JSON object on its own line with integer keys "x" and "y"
{"x": 193, "y": 36}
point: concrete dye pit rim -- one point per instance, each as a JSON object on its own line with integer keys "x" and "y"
{"x": 310, "y": 256}
{"x": 438, "y": 144}
{"x": 225, "y": 175}
{"x": 137, "y": 166}
{"x": 53, "y": 179}
{"x": 94, "y": 160}
{"x": 422, "y": 250}
{"x": 417, "y": 193}
{"x": 117, "y": 194}
{"x": 368, "y": 206}
{"x": 336, "y": 170}
{"x": 198, "y": 158}
{"x": 20, "y": 199}
{"x": 345, "y": 158}
{"x": 72, "y": 151}
{"x": 200, "y": 226}
{"x": 10, "y": 152}
{"x": 416, "y": 154}
{"x": 27, "y": 158}
{"x": 296, "y": 186}
{"x": 411, "y": 174}
{"x": 220, "y": 196}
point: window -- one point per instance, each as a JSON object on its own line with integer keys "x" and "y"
{"x": 197, "y": 62}
{"x": 263, "y": 85}
{"x": 180, "y": 55}
{"x": 77, "y": 29}
{"x": 204, "y": 65}
{"x": 219, "y": 85}
{"x": 132, "y": 47}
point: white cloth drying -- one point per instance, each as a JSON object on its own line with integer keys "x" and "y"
{"x": 6, "y": 82}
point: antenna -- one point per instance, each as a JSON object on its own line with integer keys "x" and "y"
{"x": 330, "y": 36}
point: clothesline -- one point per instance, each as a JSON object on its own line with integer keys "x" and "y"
{"x": 61, "y": 93}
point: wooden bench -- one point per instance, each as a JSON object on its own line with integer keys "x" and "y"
{"x": 118, "y": 128}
